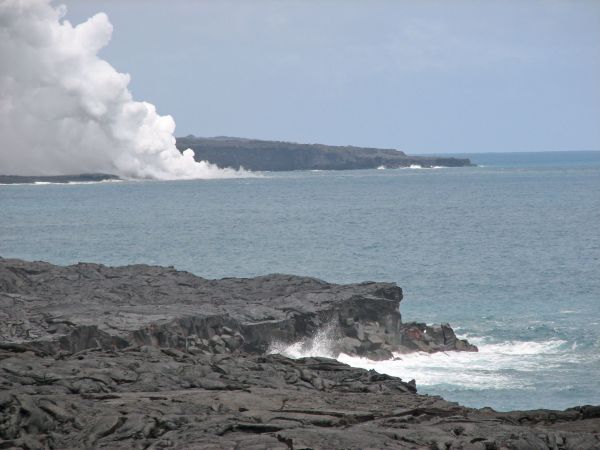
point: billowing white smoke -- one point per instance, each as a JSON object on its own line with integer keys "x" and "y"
{"x": 63, "y": 110}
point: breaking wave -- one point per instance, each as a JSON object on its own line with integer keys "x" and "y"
{"x": 318, "y": 345}
{"x": 495, "y": 366}
{"x": 62, "y": 183}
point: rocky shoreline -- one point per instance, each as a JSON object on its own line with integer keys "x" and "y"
{"x": 151, "y": 357}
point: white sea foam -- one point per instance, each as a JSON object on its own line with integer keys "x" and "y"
{"x": 63, "y": 183}
{"x": 95, "y": 182}
{"x": 419, "y": 167}
{"x": 496, "y": 365}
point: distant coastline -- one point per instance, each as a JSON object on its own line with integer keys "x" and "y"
{"x": 267, "y": 156}
{"x": 261, "y": 155}
{"x": 57, "y": 179}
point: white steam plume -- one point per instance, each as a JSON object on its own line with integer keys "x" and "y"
{"x": 63, "y": 110}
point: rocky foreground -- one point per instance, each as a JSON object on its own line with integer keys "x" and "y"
{"x": 150, "y": 357}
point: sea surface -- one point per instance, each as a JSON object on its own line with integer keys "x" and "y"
{"x": 508, "y": 253}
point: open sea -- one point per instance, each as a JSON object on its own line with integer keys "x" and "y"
{"x": 508, "y": 253}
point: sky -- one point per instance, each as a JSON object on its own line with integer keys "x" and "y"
{"x": 421, "y": 76}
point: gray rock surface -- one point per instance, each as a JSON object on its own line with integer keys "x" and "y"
{"x": 52, "y": 308}
{"x": 149, "y": 397}
{"x": 149, "y": 357}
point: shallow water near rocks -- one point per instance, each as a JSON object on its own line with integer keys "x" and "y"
{"x": 508, "y": 253}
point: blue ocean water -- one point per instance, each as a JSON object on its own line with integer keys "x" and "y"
{"x": 508, "y": 253}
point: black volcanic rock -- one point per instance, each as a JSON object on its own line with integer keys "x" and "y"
{"x": 148, "y": 397}
{"x": 53, "y": 308}
{"x": 258, "y": 155}
{"x": 150, "y": 357}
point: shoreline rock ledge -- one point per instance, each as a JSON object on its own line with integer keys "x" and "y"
{"x": 150, "y": 357}
{"x": 50, "y": 308}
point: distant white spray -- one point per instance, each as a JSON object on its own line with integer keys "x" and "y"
{"x": 63, "y": 110}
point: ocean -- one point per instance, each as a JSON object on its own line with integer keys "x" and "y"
{"x": 508, "y": 253}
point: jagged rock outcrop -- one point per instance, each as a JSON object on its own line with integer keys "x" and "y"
{"x": 50, "y": 308}
{"x": 260, "y": 155}
{"x": 149, "y": 357}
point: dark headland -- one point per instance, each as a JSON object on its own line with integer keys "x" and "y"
{"x": 151, "y": 357}
{"x": 259, "y": 155}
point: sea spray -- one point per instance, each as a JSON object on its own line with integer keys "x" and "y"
{"x": 64, "y": 110}
{"x": 321, "y": 344}
{"x": 495, "y": 366}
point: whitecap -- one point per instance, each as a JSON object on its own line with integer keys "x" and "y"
{"x": 498, "y": 365}
{"x": 95, "y": 182}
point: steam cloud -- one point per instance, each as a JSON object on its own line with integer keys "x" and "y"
{"x": 63, "y": 110}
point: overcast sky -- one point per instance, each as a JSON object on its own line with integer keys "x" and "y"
{"x": 421, "y": 76}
